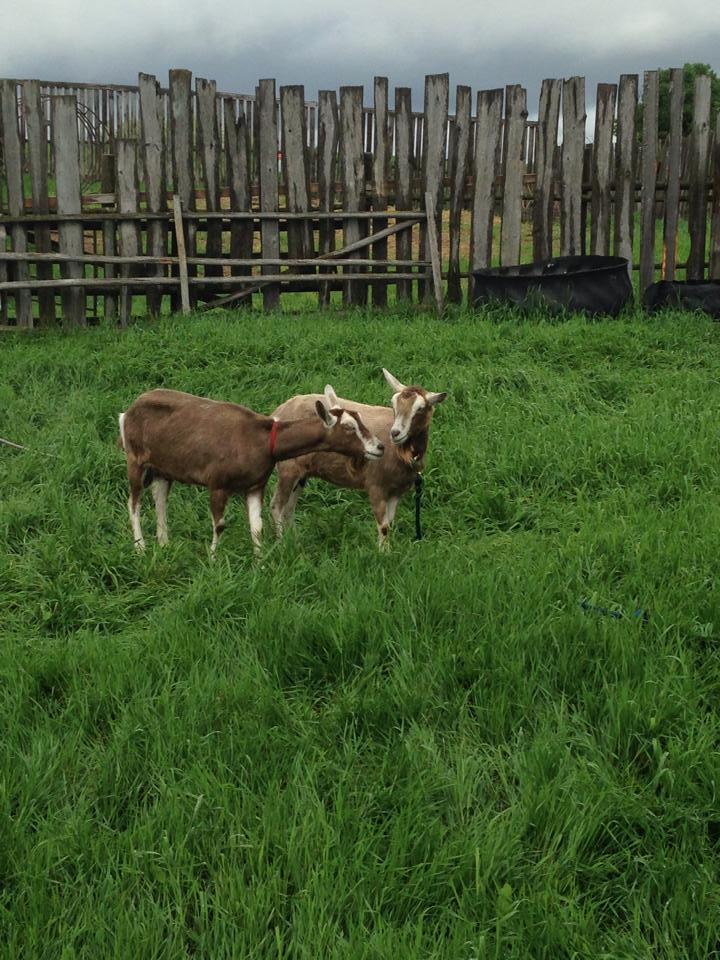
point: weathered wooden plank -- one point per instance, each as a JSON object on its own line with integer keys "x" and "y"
{"x": 3, "y": 276}
{"x": 601, "y": 176}
{"x": 625, "y": 162}
{"x": 352, "y": 166}
{"x": 513, "y": 170}
{"x": 12, "y": 152}
{"x": 181, "y": 125}
{"x": 404, "y": 164}
{"x": 715, "y": 216}
{"x": 672, "y": 193}
{"x": 487, "y": 148}
{"x": 545, "y": 146}
{"x": 458, "y": 173}
{"x": 237, "y": 152}
{"x": 208, "y": 147}
{"x": 573, "y": 147}
{"x": 36, "y": 132}
{"x": 437, "y": 95}
{"x": 268, "y": 170}
{"x": 126, "y": 178}
{"x": 328, "y": 137}
{"x": 138, "y": 285}
{"x": 153, "y": 151}
{"x": 296, "y": 168}
{"x": 435, "y": 256}
{"x": 110, "y": 299}
{"x": 145, "y": 260}
{"x": 181, "y": 249}
{"x": 67, "y": 176}
{"x": 381, "y": 177}
{"x": 648, "y": 177}
{"x": 697, "y": 192}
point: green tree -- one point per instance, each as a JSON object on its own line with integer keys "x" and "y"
{"x": 690, "y": 72}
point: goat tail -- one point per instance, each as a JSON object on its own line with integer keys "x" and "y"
{"x": 121, "y": 438}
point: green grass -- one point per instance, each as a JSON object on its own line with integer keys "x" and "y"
{"x": 334, "y": 753}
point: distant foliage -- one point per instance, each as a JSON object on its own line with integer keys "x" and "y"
{"x": 690, "y": 72}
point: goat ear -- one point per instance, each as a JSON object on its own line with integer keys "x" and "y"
{"x": 393, "y": 381}
{"x": 331, "y": 396}
{"x": 435, "y": 398}
{"x": 329, "y": 419}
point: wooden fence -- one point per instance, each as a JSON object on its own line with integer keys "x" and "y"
{"x": 119, "y": 200}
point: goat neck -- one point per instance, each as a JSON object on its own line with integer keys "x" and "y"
{"x": 295, "y": 437}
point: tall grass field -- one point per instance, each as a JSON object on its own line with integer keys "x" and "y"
{"x": 498, "y": 742}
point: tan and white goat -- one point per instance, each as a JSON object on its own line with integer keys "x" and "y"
{"x": 404, "y": 431}
{"x": 171, "y": 436}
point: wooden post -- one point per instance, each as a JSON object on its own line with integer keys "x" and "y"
{"x": 296, "y": 168}
{"x": 648, "y": 178}
{"x": 34, "y": 115}
{"x": 403, "y": 178}
{"x": 625, "y": 158}
{"x": 153, "y": 151}
{"x": 546, "y": 143}
{"x": 269, "y": 191}
{"x": 573, "y": 148}
{"x": 127, "y": 202}
{"x": 434, "y": 245}
{"x": 352, "y": 165}
{"x": 437, "y": 94}
{"x": 3, "y": 275}
{"x": 458, "y": 174}
{"x": 13, "y": 154}
{"x": 208, "y": 146}
{"x": 180, "y": 243}
{"x": 182, "y": 150}
{"x": 67, "y": 174}
{"x": 487, "y": 147}
{"x": 715, "y": 220}
{"x": 697, "y": 198}
{"x": 381, "y": 176}
{"x": 601, "y": 169}
{"x": 237, "y": 152}
{"x": 672, "y": 194}
{"x": 513, "y": 170}
{"x": 328, "y": 136}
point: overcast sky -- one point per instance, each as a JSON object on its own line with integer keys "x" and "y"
{"x": 325, "y": 45}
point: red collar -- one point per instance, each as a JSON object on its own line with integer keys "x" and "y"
{"x": 273, "y": 437}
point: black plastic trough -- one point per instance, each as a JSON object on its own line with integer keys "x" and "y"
{"x": 684, "y": 295}
{"x": 592, "y": 284}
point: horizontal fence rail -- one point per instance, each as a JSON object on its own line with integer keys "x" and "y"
{"x": 121, "y": 200}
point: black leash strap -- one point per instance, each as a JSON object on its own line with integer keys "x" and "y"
{"x": 418, "y": 498}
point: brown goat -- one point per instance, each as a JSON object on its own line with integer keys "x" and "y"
{"x": 171, "y": 436}
{"x": 403, "y": 429}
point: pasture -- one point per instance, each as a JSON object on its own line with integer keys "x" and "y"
{"x": 337, "y": 753}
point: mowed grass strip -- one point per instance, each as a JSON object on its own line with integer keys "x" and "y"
{"x": 435, "y": 753}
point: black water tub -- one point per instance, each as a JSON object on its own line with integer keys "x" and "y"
{"x": 592, "y": 284}
{"x": 684, "y": 295}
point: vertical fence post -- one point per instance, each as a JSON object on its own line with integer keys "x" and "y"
{"x": 67, "y": 173}
{"x": 648, "y": 178}
{"x": 269, "y": 188}
{"x": 434, "y": 245}
{"x": 672, "y": 194}
{"x": 546, "y": 142}
{"x": 180, "y": 243}
{"x": 13, "y": 154}
{"x": 625, "y": 162}
{"x": 697, "y": 200}
{"x": 573, "y": 149}
{"x": 458, "y": 173}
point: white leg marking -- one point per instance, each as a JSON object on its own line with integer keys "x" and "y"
{"x": 384, "y": 527}
{"x": 135, "y": 523}
{"x": 160, "y": 490}
{"x": 213, "y": 545}
{"x": 253, "y": 502}
{"x": 121, "y": 421}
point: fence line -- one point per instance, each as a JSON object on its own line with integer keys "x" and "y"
{"x": 276, "y": 179}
